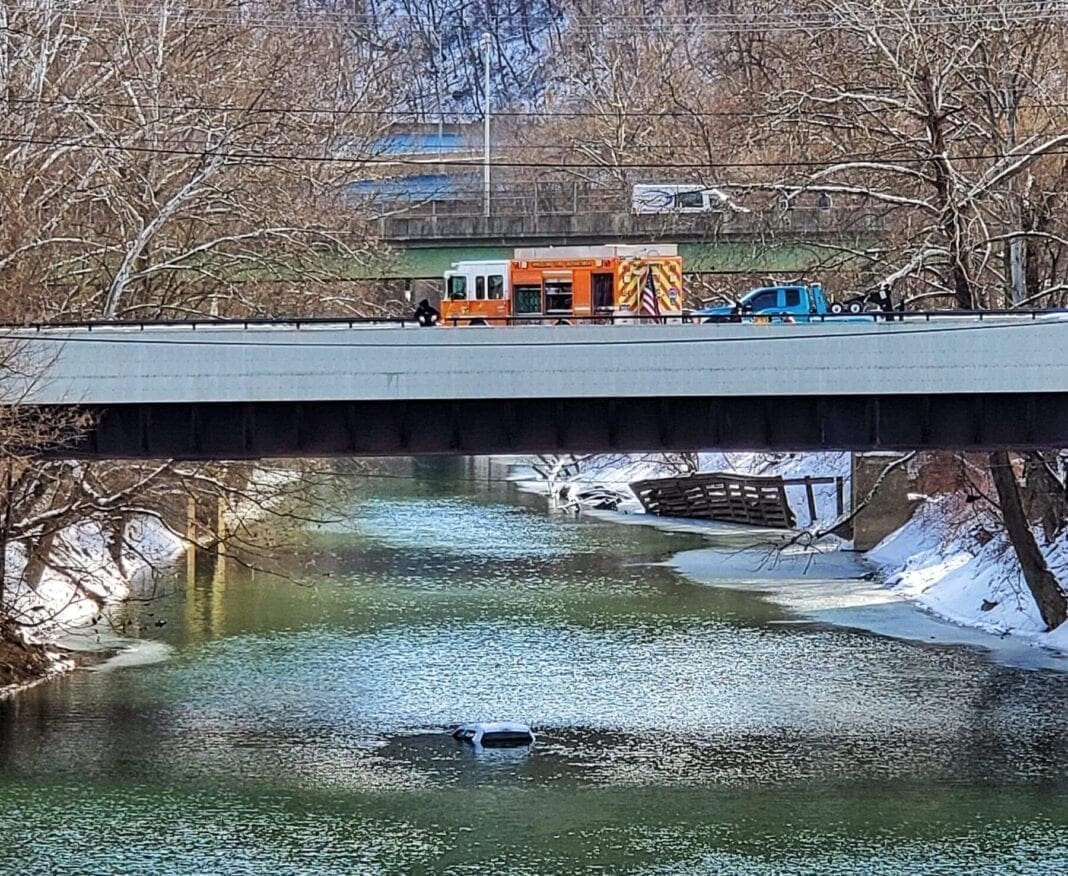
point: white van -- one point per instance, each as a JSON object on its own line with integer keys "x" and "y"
{"x": 650, "y": 198}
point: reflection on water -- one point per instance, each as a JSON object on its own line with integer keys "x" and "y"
{"x": 298, "y": 727}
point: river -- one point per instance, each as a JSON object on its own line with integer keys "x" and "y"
{"x": 294, "y": 725}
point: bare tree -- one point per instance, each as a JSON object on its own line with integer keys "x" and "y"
{"x": 938, "y": 131}
{"x": 168, "y": 158}
{"x": 158, "y": 160}
{"x": 947, "y": 119}
{"x": 1049, "y": 597}
{"x": 24, "y": 431}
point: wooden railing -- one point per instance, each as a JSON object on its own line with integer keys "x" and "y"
{"x": 731, "y": 498}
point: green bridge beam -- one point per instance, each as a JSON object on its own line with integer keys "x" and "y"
{"x": 431, "y": 262}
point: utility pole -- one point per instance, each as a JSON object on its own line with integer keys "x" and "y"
{"x": 487, "y": 44}
{"x": 1017, "y": 254}
{"x": 438, "y": 58}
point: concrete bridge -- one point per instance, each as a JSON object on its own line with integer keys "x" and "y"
{"x": 219, "y": 391}
{"x": 424, "y": 245}
{"x": 534, "y": 227}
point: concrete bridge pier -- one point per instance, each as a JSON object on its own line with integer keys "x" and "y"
{"x": 890, "y": 507}
{"x": 207, "y": 536}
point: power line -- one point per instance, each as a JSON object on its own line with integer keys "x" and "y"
{"x": 1022, "y": 11}
{"x": 473, "y": 155}
{"x": 377, "y": 112}
{"x": 325, "y": 16}
{"x": 400, "y": 161}
{"x": 455, "y": 117}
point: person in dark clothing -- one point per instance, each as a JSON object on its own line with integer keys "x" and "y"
{"x": 886, "y": 301}
{"x": 426, "y": 314}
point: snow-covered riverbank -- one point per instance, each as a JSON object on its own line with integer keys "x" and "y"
{"x": 831, "y": 587}
{"x": 85, "y": 575}
{"x": 943, "y": 561}
{"x": 55, "y": 604}
{"x": 962, "y": 571}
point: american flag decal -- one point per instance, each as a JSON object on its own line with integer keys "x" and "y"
{"x": 650, "y": 306}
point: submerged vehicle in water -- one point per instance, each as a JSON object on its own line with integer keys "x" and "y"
{"x": 495, "y": 734}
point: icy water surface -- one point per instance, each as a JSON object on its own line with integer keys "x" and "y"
{"x": 287, "y": 727}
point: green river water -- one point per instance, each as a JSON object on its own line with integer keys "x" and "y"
{"x": 289, "y": 728}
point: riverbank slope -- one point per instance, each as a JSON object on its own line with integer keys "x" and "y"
{"x": 84, "y": 576}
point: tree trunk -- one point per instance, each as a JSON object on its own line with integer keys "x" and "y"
{"x": 1045, "y": 499}
{"x": 1018, "y": 270}
{"x": 1051, "y": 601}
{"x": 5, "y": 532}
{"x": 38, "y": 555}
{"x": 943, "y": 181}
{"x": 114, "y": 530}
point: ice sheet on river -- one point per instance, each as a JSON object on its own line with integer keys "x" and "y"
{"x": 831, "y": 587}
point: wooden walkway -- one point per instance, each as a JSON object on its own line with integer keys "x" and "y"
{"x": 757, "y": 501}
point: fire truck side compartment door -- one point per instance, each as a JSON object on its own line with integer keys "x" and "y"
{"x": 559, "y": 292}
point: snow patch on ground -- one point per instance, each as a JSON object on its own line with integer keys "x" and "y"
{"x": 828, "y": 588}
{"x": 266, "y": 490}
{"x": 958, "y": 570}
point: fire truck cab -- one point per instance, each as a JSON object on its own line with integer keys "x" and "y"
{"x": 556, "y": 285}
{"x": 477, "y": 291}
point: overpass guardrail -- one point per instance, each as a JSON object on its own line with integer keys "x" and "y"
{"x": 686, "y": 318}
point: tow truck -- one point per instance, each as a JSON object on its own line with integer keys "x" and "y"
{"x": 793, "y": 303}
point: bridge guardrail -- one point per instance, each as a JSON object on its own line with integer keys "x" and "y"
{"x": 686, "y": 318}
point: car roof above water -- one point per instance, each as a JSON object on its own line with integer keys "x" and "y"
{"x": 489, "y": 732}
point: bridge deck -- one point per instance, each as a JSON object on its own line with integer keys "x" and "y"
{"x": 327, "y": 363}
{"x": 231, "y": 392}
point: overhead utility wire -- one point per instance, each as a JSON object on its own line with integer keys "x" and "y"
{"x": 322, "y": 13}
{"x": 475, "y": 154}
{"x": 456, "y": 116}
{"x": 441, "y": 161}
{"x": 725, "y": 23}
{"x": 325, "y": 17}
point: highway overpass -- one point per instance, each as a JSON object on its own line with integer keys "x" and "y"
{"x": 423, "y": 246}
{"x": 529, "y": 228}
{"x": 208, "y": 390}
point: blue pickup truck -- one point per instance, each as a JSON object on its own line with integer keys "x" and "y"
{"x": 794, "y": 303}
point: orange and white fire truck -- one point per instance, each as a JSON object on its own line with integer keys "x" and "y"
{"x": 557, "y": 285}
